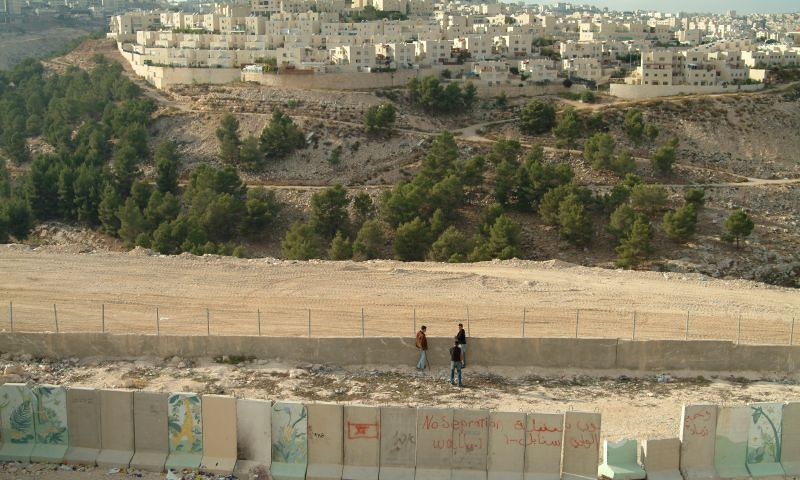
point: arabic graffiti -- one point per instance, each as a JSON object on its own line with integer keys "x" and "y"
{"x": 698, "y": 424}
{"x": 582, "y": 434}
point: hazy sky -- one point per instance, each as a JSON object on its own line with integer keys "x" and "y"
{"x": 713, "y": 6}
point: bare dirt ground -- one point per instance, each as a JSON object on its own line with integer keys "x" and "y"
{"x": 35, "y": 42}
{"x": 491, "y": 295}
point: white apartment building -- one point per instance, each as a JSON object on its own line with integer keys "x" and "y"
{"x": 480, "y": 47}
{"x": 572, "y": 49}
{"x": 539, "y": 69}
{"x": 772, "y": 56}
{"x": 356, "y": 58}
{"x": 395, "y": 55}
{"x": 491, "y": 72}
{"x": 586, "y": 68}
{"x": 429, "y": 52}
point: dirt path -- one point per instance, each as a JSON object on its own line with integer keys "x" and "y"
{"x": 492, "y": 297}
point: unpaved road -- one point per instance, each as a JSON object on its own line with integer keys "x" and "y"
{"x": 491, "y": 297}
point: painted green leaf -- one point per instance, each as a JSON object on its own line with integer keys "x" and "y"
{"x": 756, "y": 414}
{"x": 21, "y": 417}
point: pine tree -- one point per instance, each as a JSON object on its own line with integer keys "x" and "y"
{"x": 568, "y": 129}
{"x": 369, "y": 240}
{"x": 574, "y": 224}
{"x": 167, "y": 167}
{"x": 680, "y": 225}
{"x": 636, "y": 246}
{"x": 341, "y": 248}
{"x": 301, "y": 242}
{"x": 228, "y": 136}
{"x": 411, "y": 241}
{"x": 738, "y": 226}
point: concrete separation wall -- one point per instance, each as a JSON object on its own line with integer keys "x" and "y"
{"x": 588, "y": 353}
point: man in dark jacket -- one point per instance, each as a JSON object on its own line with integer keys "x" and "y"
{"x": 422, "y": 346}
{"x": 461, "y": 337}
{"x": 456, "y": 360}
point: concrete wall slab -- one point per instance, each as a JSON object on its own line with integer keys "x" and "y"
{"x": 434, "y": 443}
{"x": 254, "y": 436}
{"x": 16, "y": 422}
{"x": 506, "y": 456}
{"x": 698, "y": 428}
{"x": 544, "y": 436}
{"x": 83, "y": 424}
{"x": 470, "y": 444}
{"x": 325, "y": 441}
{"x": 730, "y": 442}
{"x": 790, "y": 444}
{"x": 620, "y": 460}
{"x": 150, "y": 434}
{"x": 581, "y": 445}
{"x": 116, "y": 428}
{"x": 185, "y": 426}
{"x": 398, "y": 443}
{"x": 661, "y": 458}
{"x": 764, "y": 440}
{"x": 362, "y": 442}
{"x": 50, "y": 424}
{"x": 219, "y": 434}
{"x": 289, "y": 441}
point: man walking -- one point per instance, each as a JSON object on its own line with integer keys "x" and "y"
{"x": 422, "y": 346}
{"x": 461, "y": 338}
{"x": 456, "y": 360}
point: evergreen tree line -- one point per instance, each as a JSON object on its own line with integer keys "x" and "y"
{"x": 96, "y": 123}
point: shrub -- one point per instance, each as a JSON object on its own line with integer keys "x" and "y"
{"x": 648, "y": 199}
{"x": 695, "y": 196}
{"x": 537, "y": 117}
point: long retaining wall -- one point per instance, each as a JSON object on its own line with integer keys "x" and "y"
{"x": 635, "y": 92}
{"x": 596, "y": 354}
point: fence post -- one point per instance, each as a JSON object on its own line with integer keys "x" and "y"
{"x": 309, "y": 322}
{"x": 362, "y": 322}
{"x": 468, "y": 334}
{"x": 577, "y": 321}
{"x": 686, "y": 335}
{"x": 524, "y": 313}
{"x": 739, "y": 330}
{"x": 158, "y": 323}
{"x": 103, "y": 315}
{"x": 11, "y": 314}
{"x": 791, "y": 333}
{"x": 208, "y": 322}
{"x": 259, "y": 321}
{"x": 55, "y": 316}
{"x": 633, "y": 337}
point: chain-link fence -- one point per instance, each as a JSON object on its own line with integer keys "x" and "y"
{"x": 387, "y": 320}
